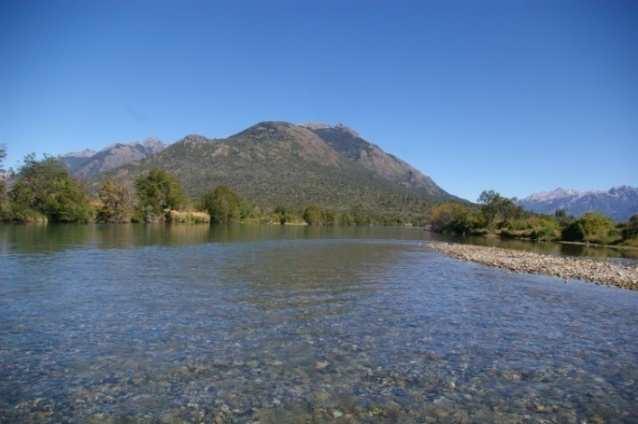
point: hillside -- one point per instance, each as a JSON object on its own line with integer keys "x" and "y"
{"x": 89, "y": 164}
{"x": 618, "y": 203}
{"x": 278, "y": 163}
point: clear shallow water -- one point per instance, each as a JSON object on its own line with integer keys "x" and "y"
{"x": 161, "y": 324}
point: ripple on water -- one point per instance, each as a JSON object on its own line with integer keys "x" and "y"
{"x": 281, "y": 330}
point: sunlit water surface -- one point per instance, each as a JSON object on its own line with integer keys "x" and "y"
{"x": 281, "y": 324}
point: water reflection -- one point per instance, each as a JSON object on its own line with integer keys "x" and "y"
{"x": 52, "y": 238}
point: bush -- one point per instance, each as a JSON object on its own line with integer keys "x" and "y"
{"x": 533, "y": 227}
{"x": 188, "y": 217}
{"x": 222, "y": 204}
{"x": 497, "y": 210}
{"x": 630, "y": 229}
{"x": 45, "y": 189}
{"x": 116, "y": 203}
{"x": 313, "y": 215}
{"x": 592, "y": 227}
{"x": 453, "y": 218}
{"x": 158, "y": 192}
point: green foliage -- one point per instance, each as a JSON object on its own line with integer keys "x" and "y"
{"x": 116, "y": 203}
{"x": 188, "y": 217}
{"x": 453, "y": 218}
{"x": 591, "y": 227}
{"x": 158, "y": 192}
{"x": 498, "y": 210}
{"x": 535, "y": 227}
{"x": 313, "y": 215}
{"x": 222, "y": 204}
{"x": 44, "y": 188}
{"x": 630, "y": 229}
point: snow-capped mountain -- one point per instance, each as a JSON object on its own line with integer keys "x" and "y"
{"x": 618, "y": 203}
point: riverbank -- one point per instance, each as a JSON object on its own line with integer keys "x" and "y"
{"x": 593, "y": 270}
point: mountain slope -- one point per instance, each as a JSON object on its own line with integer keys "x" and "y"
{"x": 278, "y": 163}
{"x": 88, "y": 164}
{"x": 618, "y": 203}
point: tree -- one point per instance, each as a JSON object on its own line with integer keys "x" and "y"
{"x": 116, "y": 202}
{"x": 46, "y": 187}
{"x": 158, "y": 192}
{"x": 223, "y": 205}
{"x": 282, "y": 214}
{"x": 497, "y": 209}
{"x": 630, "y": 229}
{"x": 592, "y": 227}
{"x": 313, "y": 215}
{"x": 452, "y": 218}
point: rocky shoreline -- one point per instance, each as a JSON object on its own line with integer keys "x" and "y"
{"x": 588, "y": 269}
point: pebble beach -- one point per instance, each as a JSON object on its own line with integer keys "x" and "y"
{"x": 598, "y": 271}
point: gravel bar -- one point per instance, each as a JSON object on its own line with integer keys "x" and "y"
{"x": 594, "y": 270}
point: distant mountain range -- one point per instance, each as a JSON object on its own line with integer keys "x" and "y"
{"x": 618, "y": 203}
{"x": 89, "y": 164}
{"x": 275, "y": 163}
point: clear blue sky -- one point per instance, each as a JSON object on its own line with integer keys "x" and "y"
{"x": 518, "y": 96}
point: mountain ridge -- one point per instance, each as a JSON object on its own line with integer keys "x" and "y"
{"x": 619, "y": 203}
{"x": 279, "y": 163}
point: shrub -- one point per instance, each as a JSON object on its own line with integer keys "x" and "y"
{"x": 534, "y": 227}
{"x": 116, "y": 203}
{"x": 592, "y": 227}
{"x": 313, "y": 215}
{"x": 222, "y": 204}
{"x": 498, "y": 210}
{"x": 45, "y": 188}
{"x": 188, "y": 217}
{"x": 630, "y": 229}
{"x": 158, "y": 192}
{"x": 453, "y": 218}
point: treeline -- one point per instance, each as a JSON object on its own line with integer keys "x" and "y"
{"x": 44, "y": 191}
{"x": 500, "y": 216}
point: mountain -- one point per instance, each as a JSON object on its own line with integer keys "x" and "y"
{"x": 618, "y": 203}
{"x": 279, "y": 163}
{"x": 88, "y": 164}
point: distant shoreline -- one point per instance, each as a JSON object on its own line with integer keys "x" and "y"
{"x": 593, "y": 270}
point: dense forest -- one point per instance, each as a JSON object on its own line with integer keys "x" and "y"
{"x": 43, "y": 190}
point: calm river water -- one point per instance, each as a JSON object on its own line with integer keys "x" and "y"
{"x": 274, "y": 324}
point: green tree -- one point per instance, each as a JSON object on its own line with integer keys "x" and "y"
{"x": 282, "y": 214}
{"x": 453, "y": 218}
{"x": 592, "y": 227}
{"x": 222, "y": 204}
{"x": 45, "y": 187}
{"x": 360, "y": 216}
{"x": 116, "y": 202}
{"x": 158, "y": 192}
{"x": 313, "y": 215}
{"x": 630, "y": 229}
{"x": 498, "y": 210}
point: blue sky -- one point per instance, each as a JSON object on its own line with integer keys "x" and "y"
{"x": 517, "y": 96}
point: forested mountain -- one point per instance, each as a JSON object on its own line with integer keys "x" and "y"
{"x": 279, "y": 163}
{"x": 618, "y": 203}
